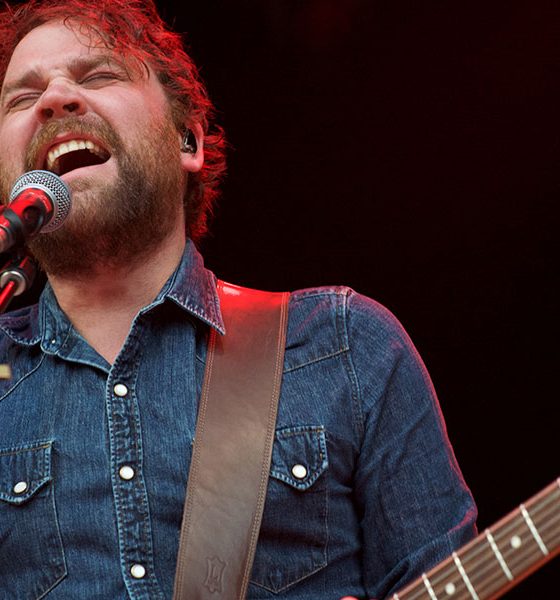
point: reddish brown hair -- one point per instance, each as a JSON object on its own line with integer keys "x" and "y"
{"x": 134, "y": 28}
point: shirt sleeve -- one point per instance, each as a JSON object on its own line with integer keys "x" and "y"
{"x": 414, "y": 505}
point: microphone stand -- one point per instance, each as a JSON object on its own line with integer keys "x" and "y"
{"x": 16, "y": 276}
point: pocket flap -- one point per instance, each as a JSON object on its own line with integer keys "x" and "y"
{"x": 24, "y": 470}
{"x": 299, "y": 455}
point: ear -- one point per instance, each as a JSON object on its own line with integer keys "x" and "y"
{"x": 193, "y": 161}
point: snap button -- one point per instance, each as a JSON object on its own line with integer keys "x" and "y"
{"x": 138, "y": 571}
{"x": 299, "y": 471}
{"x": 120, "y": 390}
{"x": 126, "y": 473}
{"x": 20, "y": 487}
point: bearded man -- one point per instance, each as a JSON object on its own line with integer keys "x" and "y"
{"x": 98, "y": 419}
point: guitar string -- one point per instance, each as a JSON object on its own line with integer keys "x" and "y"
{"x": 481, "y": 584}
{"x": 444, "y": 571}
{"x": 461, "y": 592}
{"x": 541, "y": 515}
{"x": 487, "y": 587}
{"x": 536, "y": 511}
{"x": 529, "y": 559}
{"x": 481, "y": 565}
{"x": 504, "y": 533}
{"x": 539, "y": 507}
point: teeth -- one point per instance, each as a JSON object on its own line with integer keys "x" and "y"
{"x": 71, "y": 146}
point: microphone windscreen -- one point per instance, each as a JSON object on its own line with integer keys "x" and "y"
{"x": 54, "y": 187}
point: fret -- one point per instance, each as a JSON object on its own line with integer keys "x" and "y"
{"x": 550, "y": 532}
{"x": 498, "y": 558}
{"x": 428, "y": 587}
{"x": 447, "y": 582}
{"x": 479, "y": 562}
{"x": 544, "y": 510}
{"x": 498, "y": 555}
{"x": 485, "y": 565}
{"x": 464, "y": 575}
{"x": 516, "y": 543}
{"x": 533, "y": 530}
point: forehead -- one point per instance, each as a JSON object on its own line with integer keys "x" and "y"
{"x": 55, "y": 49}
{"x": 51, "y": 45}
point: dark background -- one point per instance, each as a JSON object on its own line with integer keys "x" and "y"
{"x": 410, "y": 150}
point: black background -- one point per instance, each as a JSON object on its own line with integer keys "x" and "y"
{"x": 410, "y": 150}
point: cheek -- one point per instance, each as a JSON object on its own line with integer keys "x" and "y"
{"x": 7, "y": 177}
{"x": 9, "y": 169}
{"x": 14, "y": 142}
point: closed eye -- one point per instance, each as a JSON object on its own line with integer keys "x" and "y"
{"x": 100, "y": 78}
{"x": 22, "y": 102}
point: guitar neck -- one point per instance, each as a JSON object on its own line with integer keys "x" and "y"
{"x": 499, "y": 558}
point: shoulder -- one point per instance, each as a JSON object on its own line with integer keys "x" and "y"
{"x": 20, "y": 326}
{"x": 334, "y": 319}
{"x": 345, "y": 310}
{"x": 19, "y": 340}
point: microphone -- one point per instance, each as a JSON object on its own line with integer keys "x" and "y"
{"x": 40, "y": 202}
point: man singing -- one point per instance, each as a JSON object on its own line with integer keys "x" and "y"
{"x": 98, "y": 419}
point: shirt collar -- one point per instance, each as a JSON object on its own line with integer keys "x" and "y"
{"x": 191, "y": 286}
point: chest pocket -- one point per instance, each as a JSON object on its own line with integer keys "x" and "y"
{"x": 293, "y": 538}
{"x": 31, "y": 554}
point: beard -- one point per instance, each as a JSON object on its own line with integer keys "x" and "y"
{"x": 119, "y": 223}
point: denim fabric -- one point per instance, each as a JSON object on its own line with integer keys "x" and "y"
{"x": 377, "y": 496}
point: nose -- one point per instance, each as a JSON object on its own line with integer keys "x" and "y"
{"x": 60, "y": 99}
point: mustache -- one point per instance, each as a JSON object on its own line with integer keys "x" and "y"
{"x": 87, "y": 126}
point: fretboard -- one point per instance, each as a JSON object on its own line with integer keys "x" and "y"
{"x": 498, "y": 558}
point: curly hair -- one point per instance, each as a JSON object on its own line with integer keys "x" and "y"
{"x": 134, "y": 29}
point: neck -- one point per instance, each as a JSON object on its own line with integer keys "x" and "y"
{"x": 102, "y": 306}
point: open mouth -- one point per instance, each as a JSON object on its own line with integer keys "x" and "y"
{"x": 74, "y": 154}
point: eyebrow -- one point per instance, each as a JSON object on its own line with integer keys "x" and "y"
{"x": 29, "y": 79}
{"x": 78, "y": 65}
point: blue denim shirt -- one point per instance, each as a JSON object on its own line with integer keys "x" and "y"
{"x": 381, "y": 499}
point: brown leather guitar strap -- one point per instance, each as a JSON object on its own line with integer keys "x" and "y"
{"x": 230, "y": 465}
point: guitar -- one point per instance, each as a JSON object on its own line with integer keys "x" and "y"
{"x": 499, "y": 558}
